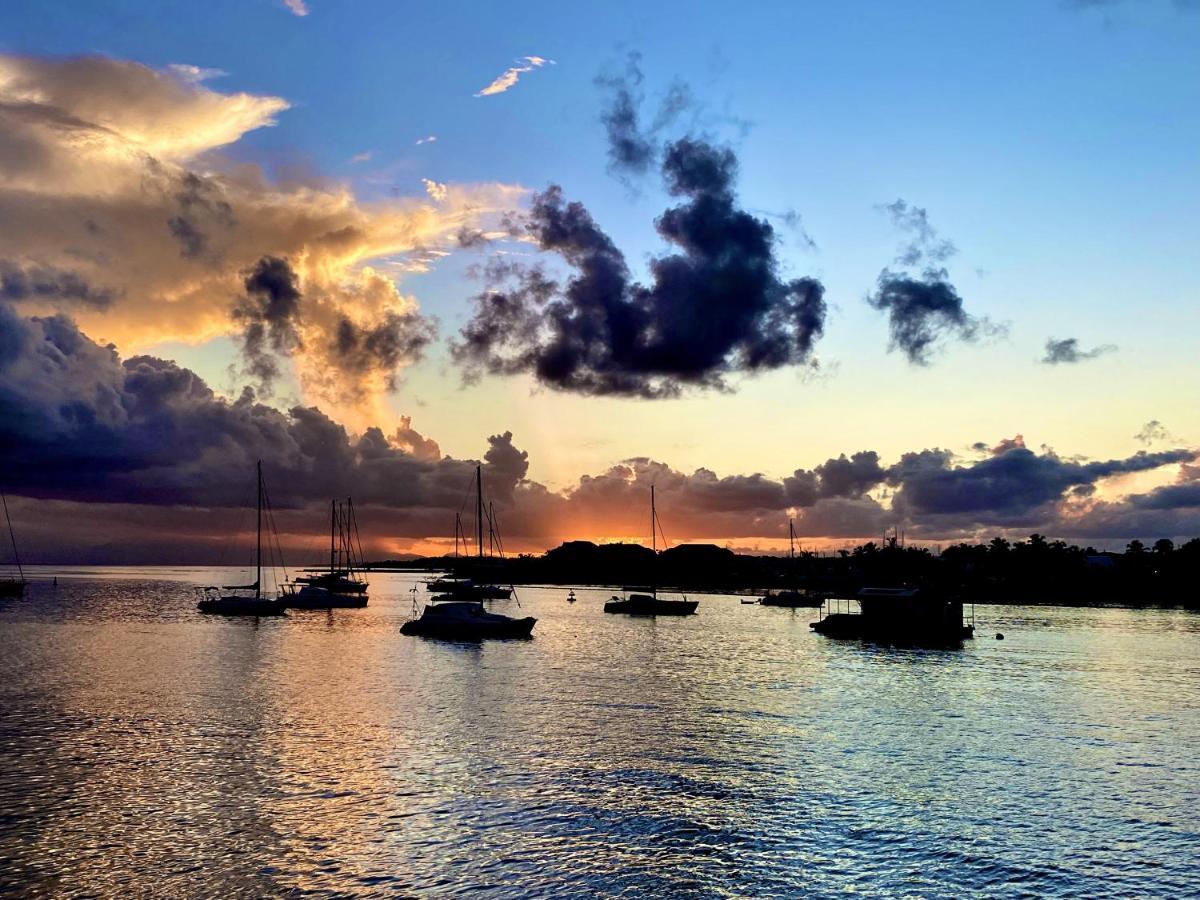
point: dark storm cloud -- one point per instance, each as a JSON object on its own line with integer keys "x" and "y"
{"x": 716, "y": 308}
{"x": 77, "y": 422}
{"x": 382, "y": 347}
{"x": 269, "y": 313}
{"x": 1016, "y": 481}
{"x": 921, "y": 311}
{"x": 38, "y": 282}
{"x": 1068, "y": 351}
{"x": 926, "y": 308}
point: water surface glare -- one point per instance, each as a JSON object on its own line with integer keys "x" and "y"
{"x": 145, "y": 749}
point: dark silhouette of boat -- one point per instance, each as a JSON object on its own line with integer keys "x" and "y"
{"x": 466, "y": 621}
{"x": 454, "y": 589}
{"x": 12, "y": 588}
{"x": 466, "y": 589}
{"x": 571, "y": 598}
{"x": 792, "y": 598}
{"x": 637, "y": 602}
{"x": 455, "y": 608}
{"x": 342, "y": 585}
{"x": 903, "y": 615}
{"x": 217, "y": 602}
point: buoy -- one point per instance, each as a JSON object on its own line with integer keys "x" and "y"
{"x": 999, "y": 636}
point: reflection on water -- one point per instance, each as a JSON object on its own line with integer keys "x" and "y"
{"x": 144, "y": 747}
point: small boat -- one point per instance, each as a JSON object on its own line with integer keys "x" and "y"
{"x": 792, "y": 598}
{"x": 216, "y": 602}
{"x": 466, "y": 621}
{"x": 342, "y": 585}
{"x": 650, "y": 605}
{"x": 639, "y": 603}
{"x": 571, "y": 598}
{"x": 454, "y": 589}
{"x": 897, "y": 615}
{"x": 749, "y": 602}
{"x": 12, "y": 587}
{"x": 466, "y": 589}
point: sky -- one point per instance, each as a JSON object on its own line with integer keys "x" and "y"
{"x": 882, "y": 265}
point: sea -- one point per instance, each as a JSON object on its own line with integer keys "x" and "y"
{"x": 148, "y": 750}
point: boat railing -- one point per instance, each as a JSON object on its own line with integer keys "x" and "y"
{"x": 840, "y": 606}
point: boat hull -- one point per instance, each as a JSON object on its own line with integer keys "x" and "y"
{"x": 465, "y": 621}
{"x": 241, "y": 606}
{"x": 645, "y": 605}
{"x": 792, "y": 600}
{"x": 848, "y": 626}
{"x": 12, "y": 589}
{"x": 319, "y": 598}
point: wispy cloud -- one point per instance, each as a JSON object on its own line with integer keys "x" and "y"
{"x": 363, "y": 157}
{"x": 435, "y": 189}
{"x": 429, "y": 139}
{"x": 298, "y": 7}
{"x": 194, "y": 74}
{"x": 510, "y": 76}
{"x": 1069, "y": 351}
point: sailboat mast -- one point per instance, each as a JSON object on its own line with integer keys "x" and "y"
{"x": 457, "y": 531}
{"x": 479, "y": 508}
{"x": 258, "y": 539}
{"x": 12, "y": 537}
{"x": 791, "y": 539}
{"x": 332, "y": 528}
{"x": 653, "y": 544}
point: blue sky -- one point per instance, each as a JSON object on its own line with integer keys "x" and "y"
{"x": 1055, "y": 143}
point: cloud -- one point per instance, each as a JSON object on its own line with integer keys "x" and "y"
{"x": 1153, "y": 432}
{"x": 435, "y": 189}
{"x": 114, "y": 172}
{"x": 1013, "y": 487}
{"x": 296, "y": 7}
{"x": 716, "y": 308}
{"x": 1068, "y": 351}
{"x": 49, "y": 284}
{"x": 510, "y": 76}
{"x": 923, "y": 309}
{"x": 632, "y": 149}
{"x": 80, "y": 425}
{"x": 365, "y": 156}
{"x": 428, "y": 139}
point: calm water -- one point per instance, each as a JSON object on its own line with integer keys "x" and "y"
{"x": 147, "y": 750}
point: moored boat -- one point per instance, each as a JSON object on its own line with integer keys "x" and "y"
{"x": 342, "y": 585}
{"x": 792, "y": 598}
{"x": 239, "y": 602}
{"x": 902, "y": 615}
{"x": 466, "y": 621}
{"x": 641, "y": 603}
{"x": 633, "y": 604}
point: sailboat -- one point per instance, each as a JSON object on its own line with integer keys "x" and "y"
{"x": 342, "y": 585}
{"x": 636, "y": 603}
{"x": 9, "y": 586}
{"x": 240, "y": 602}
{"x": 461, "y": 616}
{"x": 792, "y": 598}
{"x": 465, "y": 588}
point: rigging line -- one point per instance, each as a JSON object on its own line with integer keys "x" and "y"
{"x": 357, "y": 536}
{"x": 273, "y": 533}
{"x": 12, "y": 537}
